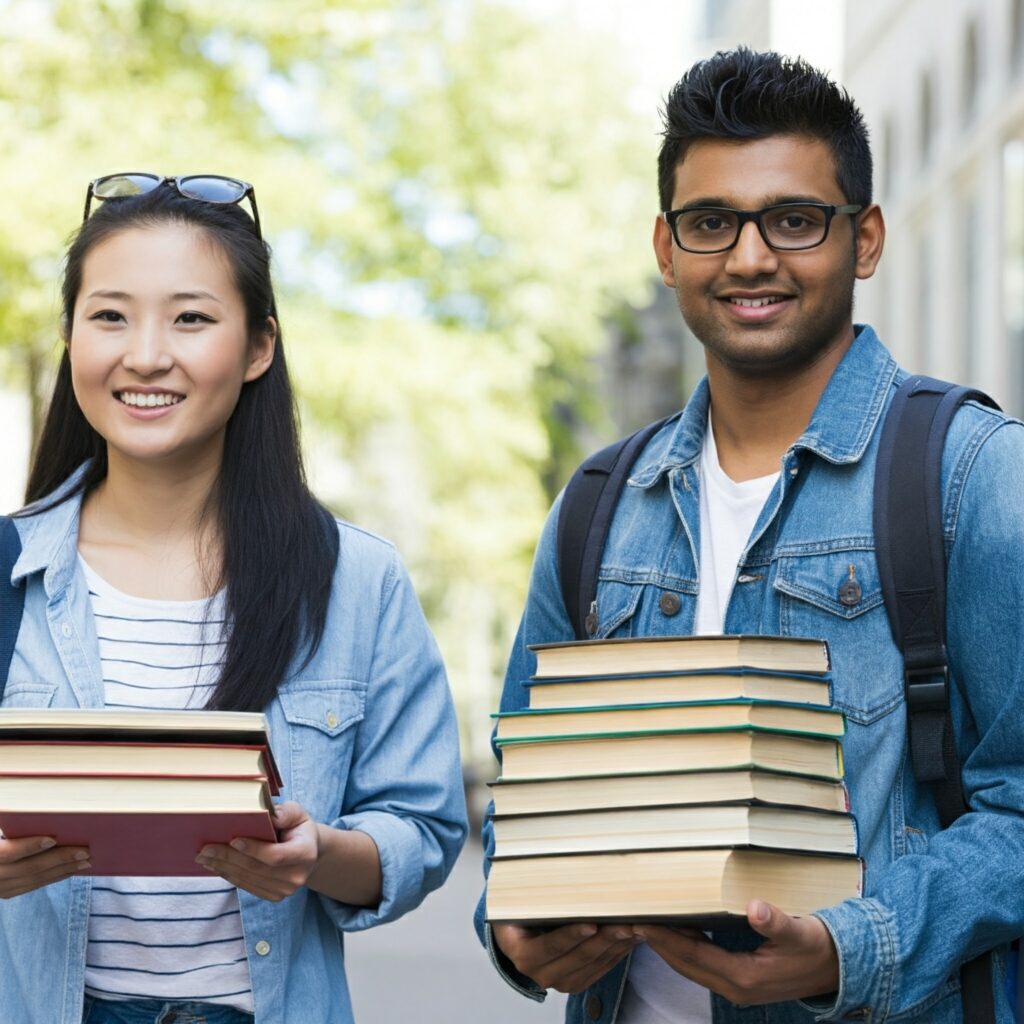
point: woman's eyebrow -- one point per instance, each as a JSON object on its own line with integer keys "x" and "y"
{"x": 187, "y": 296}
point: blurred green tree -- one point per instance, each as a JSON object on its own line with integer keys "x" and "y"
{"x": 457, "y": 195}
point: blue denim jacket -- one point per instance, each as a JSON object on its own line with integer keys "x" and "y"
{"x": 931, "y": 898}
{"x": 365, "y": 736}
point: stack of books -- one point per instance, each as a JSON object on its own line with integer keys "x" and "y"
{"x": 672, "y": 779}
{"x": 144, "y": 790}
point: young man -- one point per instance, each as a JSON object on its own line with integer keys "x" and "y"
{"x": 748, "y": 514}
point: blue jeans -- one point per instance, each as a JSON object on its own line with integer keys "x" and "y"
{"x": 156, "y": 1011}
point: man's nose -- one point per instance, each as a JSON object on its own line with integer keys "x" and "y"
{"x": 751, "y": 256}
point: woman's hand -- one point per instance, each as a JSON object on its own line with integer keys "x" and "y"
{"x": 271, "y": 871}
{"x": 34, "y": 861}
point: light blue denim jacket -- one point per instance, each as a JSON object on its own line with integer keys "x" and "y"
{"x": 931, "y": 898}
{"x": 365, "y": 737}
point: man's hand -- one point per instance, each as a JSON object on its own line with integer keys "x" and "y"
{"x": 567, "y": 959}
{"x": 271, "y": 871}
{"x": 798, "y": 959}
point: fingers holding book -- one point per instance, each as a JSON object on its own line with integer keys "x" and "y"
{"x": 797, "y": 959}
{"x": 567, "y": 959}
{"x": 270, "y": 870}
{"x": 34, "y": 861}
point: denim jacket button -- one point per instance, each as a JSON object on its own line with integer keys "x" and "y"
{"x": 669, "y": 604}
{"x": 263, "y": 947}
{"x": 594, "y": 1007}
{"x": 849, "y": 593}
{"x": 332, "y": 719}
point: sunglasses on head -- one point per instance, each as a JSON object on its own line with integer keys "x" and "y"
{"x": 208, "y": 188}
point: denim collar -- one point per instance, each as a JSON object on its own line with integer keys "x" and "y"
{"x": 840, "y": 428}
{"x": 46, "y": 536}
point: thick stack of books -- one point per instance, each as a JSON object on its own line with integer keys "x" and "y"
{"x": 144, "y": 790}
{"x": 672, "y": 779}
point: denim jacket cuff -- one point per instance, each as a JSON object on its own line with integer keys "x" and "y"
{"x": 520, "y": 982}
{"x": 863, "y": 933}
{"x": 400, "y": 849}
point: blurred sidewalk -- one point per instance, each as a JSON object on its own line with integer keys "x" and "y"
{"x": 429, "y": 967}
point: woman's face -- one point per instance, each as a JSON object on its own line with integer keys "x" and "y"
{"x": 159, "y": 347}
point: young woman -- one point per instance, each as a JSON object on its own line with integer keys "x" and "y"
{"x": 172, "y": 557}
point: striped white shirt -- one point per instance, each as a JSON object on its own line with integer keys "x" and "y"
{"x": 162, "y": 938}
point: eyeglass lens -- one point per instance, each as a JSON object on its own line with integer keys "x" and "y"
{"x": 211, "y": 189}
{"x": 118, "y": 185}
{"x": 785, "y": 227}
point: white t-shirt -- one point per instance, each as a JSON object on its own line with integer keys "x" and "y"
{"x": 656, "y": 994}
{"x": 162, "y": 938}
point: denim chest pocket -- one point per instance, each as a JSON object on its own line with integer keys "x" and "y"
{"x": 644, "y": 608}
{"x": 322, "y": 717}
{"x": 836, "y": 596}
{"x": 616, "y": 605}
{"x": 27, "y": 693}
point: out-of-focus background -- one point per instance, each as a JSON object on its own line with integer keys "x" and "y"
{"x": 460, "y": 196}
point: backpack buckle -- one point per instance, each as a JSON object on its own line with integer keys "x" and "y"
{"x": 927, "y": 689}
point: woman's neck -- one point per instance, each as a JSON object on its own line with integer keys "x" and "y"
{"x": 148, "y": 530}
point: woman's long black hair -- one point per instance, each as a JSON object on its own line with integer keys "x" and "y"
{"x": 280, "y": 546}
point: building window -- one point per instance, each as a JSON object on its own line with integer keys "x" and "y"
{"x": 1017, "y": 35}
{"x": 1013, "y": 270}
{"x": 888, "y": 162}
{"x": 971, "y": 248}
{"x": 925, "y": 305}
{"x": 925, "y": 118}
{"x": 971, "y": 72}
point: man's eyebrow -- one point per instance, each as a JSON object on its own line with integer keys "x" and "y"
{"x": 776, "y": 200}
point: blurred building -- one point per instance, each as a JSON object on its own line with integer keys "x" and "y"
{"x": 941, "y": 83}
{"x": 653, "y": 360}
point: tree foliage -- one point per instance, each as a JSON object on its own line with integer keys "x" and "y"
{"x": 457, "y": 196}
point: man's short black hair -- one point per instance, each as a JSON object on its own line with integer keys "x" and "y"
{"x": 741, "y": 94}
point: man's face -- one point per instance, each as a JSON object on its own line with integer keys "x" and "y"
{"x": 809, "y": 292}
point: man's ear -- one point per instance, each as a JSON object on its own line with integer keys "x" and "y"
{"x": 261, "y": 351}
{"x": 869, "y": 242}
{"x": 663, "y": 251}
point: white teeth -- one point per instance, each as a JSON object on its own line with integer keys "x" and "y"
{"x": 133, "y": 398}
{"x": 756, "y": 303}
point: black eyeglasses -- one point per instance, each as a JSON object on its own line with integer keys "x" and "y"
{"x": 209, "y": 188}
{"x": 785, "y": 226}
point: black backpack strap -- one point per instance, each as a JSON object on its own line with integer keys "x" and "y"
{"x": 912, "y": 567}
{"x": 12, "y": 599}
{"x": 911, "y": 558}
{"x": 584, "y": 519}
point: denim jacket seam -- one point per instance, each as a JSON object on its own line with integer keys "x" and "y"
{"x": 857, "y": 542}
{"x": 647, "y": 577}
{"x": 886, "y": 960}
{"x": 960, "y": 472}
{"x": 622, "y": 988}
{"x": 386, "y": 592}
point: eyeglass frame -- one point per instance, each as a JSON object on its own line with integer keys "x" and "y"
{"x": 745, "y": 216}
{"x": 248, "y": 192}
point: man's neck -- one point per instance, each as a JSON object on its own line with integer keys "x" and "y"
{"x": 757, "y": 417}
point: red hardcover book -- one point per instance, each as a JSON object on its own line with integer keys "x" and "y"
{"x": 137, "y": 825}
